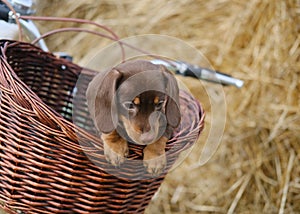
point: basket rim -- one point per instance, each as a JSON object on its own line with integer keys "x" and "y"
{"x": 67, "y": 126}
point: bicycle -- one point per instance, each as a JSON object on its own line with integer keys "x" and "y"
{"x": 25, "y": 8}
{"x": 57, "y": 132}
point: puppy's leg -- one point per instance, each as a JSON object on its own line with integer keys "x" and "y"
{"x": 155, "y": 157}
{"x": 115, "y": 148}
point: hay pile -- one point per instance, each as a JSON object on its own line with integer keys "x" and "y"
{"x": 256, "y": 167}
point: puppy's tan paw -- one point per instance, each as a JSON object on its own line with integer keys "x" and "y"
{"x": 155, "y": 157}
{"x": 116, "y": 150}
{"x": 156, "y": 165}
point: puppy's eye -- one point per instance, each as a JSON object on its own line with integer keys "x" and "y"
{"x": 130, "y": 106}
{"x": 159, "y": 105}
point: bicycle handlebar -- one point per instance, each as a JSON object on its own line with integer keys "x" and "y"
{"x": 190, "y": 70}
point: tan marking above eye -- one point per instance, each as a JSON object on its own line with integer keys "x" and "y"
{"x": 137, "y": 101}
{"x": 156, "y": 100}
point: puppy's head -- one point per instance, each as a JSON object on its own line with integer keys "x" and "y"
{"x": 138, "y": 96}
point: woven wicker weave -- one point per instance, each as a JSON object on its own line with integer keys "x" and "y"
{"x": 50, "y": 165}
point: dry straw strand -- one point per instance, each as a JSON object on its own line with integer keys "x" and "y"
{"x": 287, "y": 182}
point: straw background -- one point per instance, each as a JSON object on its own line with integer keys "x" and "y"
{"x": 256, "y": 167}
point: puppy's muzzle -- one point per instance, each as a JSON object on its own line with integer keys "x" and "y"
{"x": 158, "y": 123}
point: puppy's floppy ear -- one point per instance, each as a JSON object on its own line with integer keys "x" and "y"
{"x": 172, "y": 106}
{"x": 100, "y": 99}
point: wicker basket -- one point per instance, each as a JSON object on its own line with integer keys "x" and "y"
{"x": 50, "y": 165}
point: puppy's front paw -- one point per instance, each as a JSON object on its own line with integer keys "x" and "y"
{"x": 155, "y": 164}
{"x": 115, "y": 149}
{"x": 116, "y": 154}
{"x": 155, "y": 157}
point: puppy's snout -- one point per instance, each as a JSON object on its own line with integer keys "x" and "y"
{"x": 154, "y": 128}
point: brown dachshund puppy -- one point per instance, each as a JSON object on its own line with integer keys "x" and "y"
{"x": 136, "y": 101}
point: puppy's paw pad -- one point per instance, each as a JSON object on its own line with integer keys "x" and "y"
{"x": 115, "y": 159}
{"x": 116, "y": 156}
{"x": 156, "y": 165}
